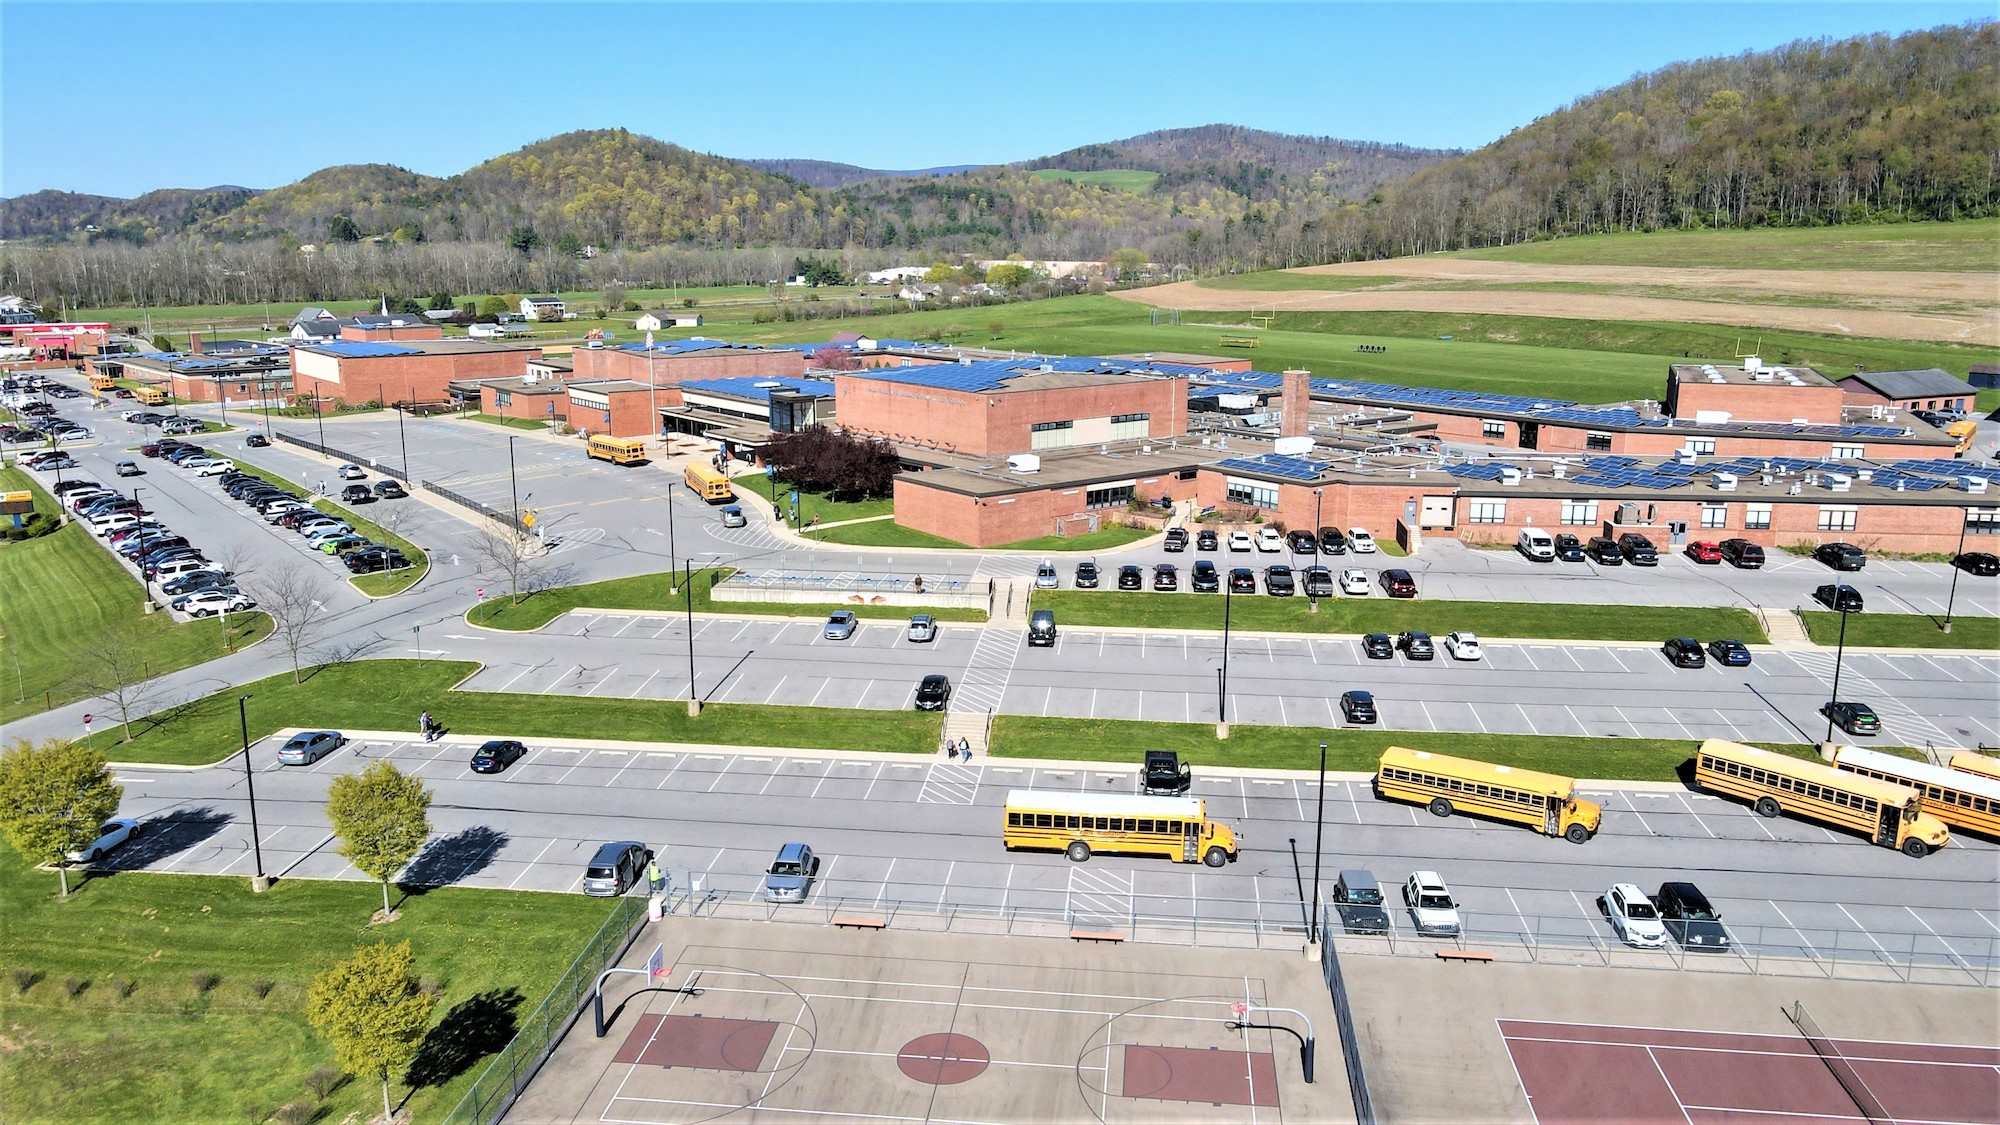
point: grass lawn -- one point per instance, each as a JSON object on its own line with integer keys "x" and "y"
{"x": 1103, "y": 539}
{"x": 1902, "y": 630}
{"x": 649, "y": 591}
{"x": 378, "y": 694}
{"x": 510, "y": 423}
{"x": 882, "y": 533}
{"x": 1968, "y": 245}
{"x": 1117, "y": 179}
{"x": 169, "y": 1050}
{"x": 65, "y": 596}
{"x": 381, "y": 583}
{"x": 813, "y": 504}
{"x": 1295, "y": 748}
{"x": 1386, "y": 615}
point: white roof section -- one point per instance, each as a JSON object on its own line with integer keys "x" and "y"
{"x": 1919, "y": 773}
{"x": 1105, "y": 804}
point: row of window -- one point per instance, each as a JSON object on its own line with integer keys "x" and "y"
{"x": 1785, "y": 783}
{"x": 1933, "y": 794}
{"x": 1715, "y": 517}
{"x": 1470, "y": 788}
{"x": 1143, "y": 825}
{"x": 1255, "y": 495}
{"x": 1114, "y": 497}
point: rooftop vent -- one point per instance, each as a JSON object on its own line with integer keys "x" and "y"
{"x": 1724, "y": 482}
{"x": 1509, "y": 475}
{"x": 1839, "y": 482}
{"x": 1972, "y": 484}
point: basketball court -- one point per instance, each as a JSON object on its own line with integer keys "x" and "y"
{"x": 804, "y": 1022}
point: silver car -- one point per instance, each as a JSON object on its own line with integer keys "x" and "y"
{"x": 309, "y": 746}
{"x": 790, "y": 875}
{"x": 840, "y": 625}
{"x": 923, "y": 627}
{"x": 1045, "y": 576}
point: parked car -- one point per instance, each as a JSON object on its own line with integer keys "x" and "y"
{"x": 194, "y": 583}
{"x": 1360, "y": 541}
{"x": 256, "y": 441}
{"x": 933, "y": 692}
{"x": 1604, "y": 551}
{"x": 1269, "y": 541}
{"x": 1239, "y": 541}
{"x": 1703, "y": 551}
{"x": 390, "y": 490}
{"x": 1206, "y": 540}
{"x": 1242, "y": 580}
{"x": 1684, "y": 652}
{"x": 790, "y": 876}
{"x": 1854, "y": 718}
{"x": 1356, "y": 582}
{"x": 1045, "y": 576}
{"x": 1569, "y": 548}
{"x": 1301, "y": 542}
{"x": 123, "y": 468}
{"x": 1317, "y": 581}
{"x": 1358, "y": 899}
{"x": 1638, "y": 550}
{"x": 1690, "y": 918}
{"x": 1358, "y": 707}
{"x": 1131, "y": 578}
{"x": 1166, "y": 577}
{"x": 208, "y": 603}
{"x": 1204, "y": 579}
{"x": 1633, "y": 917}
{"x": 1841, "y": 556}
{"x": 1279, "y": 583}
{"x": 1332, "y": 541}
{"x": 342, "y": 544}
{"x": 1430, "y": 904}
{"x": 111, "y": 835}
{"x": 1177, "y": 539}
{"x": 1839, "y": 596}
{"x": 368, "y": 560}
{"x": 1977, "y": 562}
{"x": 1397, "y": 583}
{"x": 1417, "y": 645}
{"x": 1377, "y": 646}
{"x": 309, "y": 746}
{"x": 1086, "y": 575}
{"x": 1731, "y": 654}
{"x": 351, "y": 472}
{"x": 1742, "y": 554}
{"x": 923, "y": 628}
{"x": 357, "y": 494}
{"x": 616, "y": 868}
{"x": 840, "y": 625}
{"x": 496, "y": 754}
{"x": 1463, "y": 646}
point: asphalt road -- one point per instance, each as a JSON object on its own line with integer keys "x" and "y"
{"x": 925, "y": 834}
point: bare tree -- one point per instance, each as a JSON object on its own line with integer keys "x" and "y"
{"x": 113, "y": 672}
{"x": 518, "y": 559}
{"x": 295, "y": 598}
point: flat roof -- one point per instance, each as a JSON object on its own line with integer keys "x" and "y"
{"x": 371, "y": 349}
{"x": 1766, "y": 375}
{"x": 609, "y": 385}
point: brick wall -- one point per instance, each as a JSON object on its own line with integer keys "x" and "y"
{"x": 722, "y": 363}
{"x": 401, "y": 378}
{"x": 630, "y": 411}
{"x": 1776, "y": 401}
{"x": 408, "y": 332}
{"x": 995, "y": 425}
{"x": 533, "y": 406}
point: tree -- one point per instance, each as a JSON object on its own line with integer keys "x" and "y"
{"x": 843, "y": 465}
{"x": 374, "y": 1011}
{"x": 341, "y": 228}
{"x": 112, "y": 670}
{"x": 53, "y": 799}
{"x": 820, "y": 271}
{"x": 524, "y": 239}
{"x": 494, "y": 306}
{"x": 516, "y": 558}
{"x": 1128, "y": 263}
{"x": 1009, "y": 275}
{"x": 614, "y": 295}
{"x": 569, "y": 245}
{"x": 440, "y": 301}
{"x": 296, "y": 599}
{"x": 548, "y": 314}
{"x": 834, "y": 358}
{"x": 161, "y": 343}
{"x": 382, "y": 817}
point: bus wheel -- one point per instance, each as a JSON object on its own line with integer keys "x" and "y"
{"x": 1915, "y": 848}
{"x": 1216, "y": 857}
{"x": 1767, "y": 806}
{"x": 1577, "y": 834}
{"x": 1440, "y": 807}
{"x": 1078, "y": 851}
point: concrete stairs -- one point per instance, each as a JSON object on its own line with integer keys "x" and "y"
{"x": 1784, "y": 628}
{"x": 1010, "y": 603}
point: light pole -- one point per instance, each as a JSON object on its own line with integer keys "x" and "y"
{"x": 670, "y": 534}
{"x": 687, "y": 580}
{"x": 1953, "y": 596}
{"x": 417, "y": 631}
{"x": 1312, "y": 594}
{"x": 259, "y": 881}
{"x": 146, "y": 580}
{"x": 513, "y": 484}
{"x": 321, "y": 419}
{"x": 402, "y": 440}
{"x": 1319, "y": 827}
{"x": 1839, "y": 655}
{"x": 1222, "y": 673}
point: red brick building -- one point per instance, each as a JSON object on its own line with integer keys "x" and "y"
{"x": 994, "y": 408}
{"x": 1929, "y": 389}
{"x": 414, "y": 371}
{"x": 619, "y": 407}
{"x": 674, "y": 361}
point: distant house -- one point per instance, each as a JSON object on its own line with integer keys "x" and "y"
{"x": 917, "y": 292}
{"x": 315, "y": 325}
{"x": 533, "y": 307}
{"x": 654, "y": 321}
{"x": 1926, "y": 389}
{"x": 485, "y": 331}
{"x": 1985, "y": 376}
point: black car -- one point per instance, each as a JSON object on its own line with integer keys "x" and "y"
{"x": 1332, "y": 541}
{"x": 389, "y": 490}
{"x": 1839, "y": 597}
{"x": 1318, "y": 581}
{"x": 1685, "y": 652}
{"x": 1742, "y": 554}
{"x": 1417, "y": 646}
{"x": 1177, "y": 539}
{"x": 1569, "y": 548}
{"x": 1977, "y": 562}
{"x": 1733, "y": 654}
{"x": 1279, "y": 583}
{"x": 1852, "y": 717}
{"x": 1302, "y": 542}
{"x": 933, "y": 692}
{"x": 256, "y": 441}
{"x": 368, "y": 560}
{"x": 1131, "y": 578}
{"x": 1204, "y": 578}
{"x": 1206, "y": 541}
{"x": 1086, "y": 576}
{"x": 1165, "y": 577}
{"x": 497, "y": 754}
{"x": 1604, "y": 551}
{"x": 1377, "y": 646}
{"x": 1638, "y": 550}
{"x": 1690, "y": 918}
{"x": 1841, "y": 556}
{"x": 191, "y": 583}
{"x": 1242, "y": 580}
{"x": 1358, "y": 707}
{"x": 357, "y": 494}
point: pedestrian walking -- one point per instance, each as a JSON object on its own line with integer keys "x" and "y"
{"x": 424, "y": 725}
{"x": 965, "y": 748}
{"x": 951, "y": 749}
{"x": 653, "y": 876}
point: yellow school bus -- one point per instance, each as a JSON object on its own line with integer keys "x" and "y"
{"x": 1078, "y": 823}
{"x": 1889, "y": 814}
{"x": 1971, "y": 761}
{"x": 102, "y": 382}
{"x": 1963, "y": 800}
{"x": 1447, "y": 784}
{"x": 151, "y": 396}
{"x": 617, "y": 450}
{"x": 708, "y": 482}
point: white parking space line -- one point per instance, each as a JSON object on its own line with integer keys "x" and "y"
{"x": 1949, "y": 951}
{"x": 1865, "y": 931}
{"x": 1697, "y": 817}
{"x": 1636, "y": 815}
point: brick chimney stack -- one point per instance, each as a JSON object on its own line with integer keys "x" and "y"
{"x": 194, "y": 343}
{"x": 1295, "y": 404}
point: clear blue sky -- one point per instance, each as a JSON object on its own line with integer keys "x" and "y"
{"x": 120, "y": 99}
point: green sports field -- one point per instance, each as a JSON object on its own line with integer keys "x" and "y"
{"x": 1117, "y": 179}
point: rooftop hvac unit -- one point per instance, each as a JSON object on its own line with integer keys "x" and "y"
{"x": 1685, "y": 456}
{"x": 1510, "y": 475}
{"x": 1864, "y": 475}
{"x": 966, "y": 361}
{"x": 1972, "y": 484}
{"x": 1901, "y": 485}
{"x": 1767, "y": 478}
{"x": 1147, "y": 450}
{"x": 1839, "y": 482}
{"x": 1024, "y": 463}
{"x": 1292, "y": 446}
{"x": 1558, "y": 472}
{"x": 1724, "y": 482}
{"x": 1795, "y": 489}
{"x": 1876, "y": 411}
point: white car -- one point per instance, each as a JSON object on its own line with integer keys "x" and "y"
{"x": 1356, "y": 582}
{"x": 215, "y": 467}
{"x": 111, "y": 837}
{"x": 1359, "y": 541}
{"x": 1634, "y": 916}
{"x": 128, "y": 416}
{"x": 1463, "y": 646}
{"x": 353, "y": 472}
{"x": 208, "y": 603}
{"x": 1269, "y": 541}
{"x": 277, "y": 511}
{"x": 321, "y": 528}
{"x": 1430, "y": 904}
{"x": 317, "y": 536}
{"x": 1239, "y": 540}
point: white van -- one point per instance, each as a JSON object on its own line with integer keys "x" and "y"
{"x": 1537, "y": 544}
{"x": 171, "y": 570}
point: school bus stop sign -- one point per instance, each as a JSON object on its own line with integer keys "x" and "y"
{"x": 17, "y": 503}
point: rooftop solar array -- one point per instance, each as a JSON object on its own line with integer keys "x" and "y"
{"x": 362, "y": 349}
{"x": 749, "y": 388}
{"x": 1275, "y": 465}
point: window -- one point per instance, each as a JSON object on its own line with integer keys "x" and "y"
{"x": 503, "y": 398}
{"x": 1050, "y": 435}
{"x": 1490, "y": 428}
{"x": 1756, "y": 517}
{"x": 1185, "y": 474}
{"x": 1599, "y": 442}
{"x": 1489, "y": 511}
{"x": 1125, "y": 426}
{"x": 1715, "y": 515}
{"x": 1702, "y": 446}
{"x": 1982, "y": 521}
{"x": 1844, "y": 453}
{"x": 1579, "y": 513}
{"x": 1255, "y": 495}
{"x": 1113, "y": 496}
{"x": 1837, "y": 518}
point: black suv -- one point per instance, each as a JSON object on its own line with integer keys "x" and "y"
{"x": 1842, "y": 597}
{"x": 1604, "y": 552}
{"x": 1279, "y": 583}
{"x": 1841, "y": 556}
{"x": 1417, "y": 646}
{"x": 1569, "y": 548}
{"x": 933, "y": 692}
{"x": 357, "y": 494}
{"x": 1204, "y": 579}
{"x": 389, "y": 490}
{"x": 1131, "y": 578}
{"x": 1242, "y": 580}
{"x": 1177, "y": 539}
{"x": 1638, "y": 549}
{"x": 1685, "y": 652}
{"x": 1207, "y": 541}
{"x": 1742, "y": 554}
{"x": 1301, "y": 542}
{"x": 1377, "y": 646}
{"x": 1688, "y": 916}
{"x": 1165, "y": 577}
{"x": 1332, "y": 541}
{"x": 1358, "y": 707}
{"x": 1086, "y": 576}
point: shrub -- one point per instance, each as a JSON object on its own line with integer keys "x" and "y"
{"x": 262, "y": 987}
{"x": 205, "y": 982}
{"x": 295, "y": 1113}
{"x": 74, "y": 986}
{"x": 25, "y": 979}
{"x": 323, "y": 1081}
{"x": 124, "y": 988}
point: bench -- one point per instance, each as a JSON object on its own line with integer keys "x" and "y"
{"x": 858, "y": 922}
{"x": 1096, "y": 935}
{"x": 1464, "y": 955}
{"x": 1239, "y": 341}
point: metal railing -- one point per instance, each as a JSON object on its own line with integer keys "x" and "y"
{"x": 1343, "y": 1019}
{"x": 847, "y": 583}
{"x": 510, "y": 1071}
{"x": 505, "y": 519}
{"x": 374, "y": 463}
